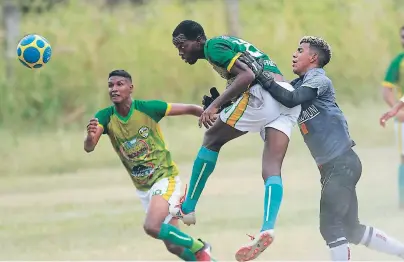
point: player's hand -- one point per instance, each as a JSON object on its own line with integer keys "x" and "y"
{"x": 386, "y": 116}
{"x": 208, "y": 116}
{"x": 92, "y": 127}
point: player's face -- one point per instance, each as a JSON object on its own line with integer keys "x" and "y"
{"x": 302, "y": 59}
{"x": 402, "y": 37}
{"x": 120, "y": 89}
{"x": 188, "y": 51}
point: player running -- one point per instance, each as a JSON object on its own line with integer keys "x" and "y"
{"x": 134, "y": 131}
{"x": 325, "y": 132}
{"x": 253, "y": 110}
{"x": 394, "y": 81}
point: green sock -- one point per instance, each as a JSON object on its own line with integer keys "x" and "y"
{"x": 177, "y": 237}
{"x": 204, "y": 165}
{"x": 187, "y": 255}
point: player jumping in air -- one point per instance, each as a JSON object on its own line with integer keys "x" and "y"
{"x": 394, "y": 81}
{"x": 254, "y": 110}
{"x": 134, "y": 132}
{"x": 325, "y": 132}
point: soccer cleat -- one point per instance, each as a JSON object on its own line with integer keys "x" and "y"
{"x": 257, "y": 245}
{"x": 204, "y": 254}
{"x": 176, "y": 211}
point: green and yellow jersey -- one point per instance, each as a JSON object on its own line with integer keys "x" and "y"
{"x": 139, "y": 142}
{"x": 394, "y": 77}
{"x": 223, "y": 51}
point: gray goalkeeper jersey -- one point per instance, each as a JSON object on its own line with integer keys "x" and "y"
{"x": 322, "y": 123}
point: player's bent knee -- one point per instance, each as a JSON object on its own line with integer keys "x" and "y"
{"x": 212, "y": 141}
{"x": 152, "y": 229}
{"x": 355, "y": 233}
{"x": 331, "y": 232}
{"x": 173, "y": 249}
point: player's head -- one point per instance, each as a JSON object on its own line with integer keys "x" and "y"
{"x": 402, "y": 35}
{"x": 120, "y": 86}
{"x": 312, "y": 52}
{"x": 189, "y": 38}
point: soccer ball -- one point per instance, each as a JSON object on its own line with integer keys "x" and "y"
{"x": 34, "y": 51}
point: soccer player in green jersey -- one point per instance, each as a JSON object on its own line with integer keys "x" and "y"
{"x": 133, "y": 129}
{"x": 393, "y": 89}
{"x": 253, "y": 110}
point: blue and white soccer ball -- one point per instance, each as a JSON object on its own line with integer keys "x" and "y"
{"x": 34, "y": 51}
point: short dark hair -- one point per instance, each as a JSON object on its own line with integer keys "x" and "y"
{"x": 190, "y": 29}
{"x": 321, "y": 46}
{"x": 121, "y": 73}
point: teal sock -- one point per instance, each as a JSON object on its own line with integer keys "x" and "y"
{"x": 187, "y": 255}
{"x": 401, "y": 184}
{"x": 272, "y": 201}
{"x": 204, "y": 165}
{"x": 179, "y": 238}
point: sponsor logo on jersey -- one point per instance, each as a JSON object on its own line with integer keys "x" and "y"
{"x": 142, "y": 173}
{"x": 144, "y": 131}
{"x": 134, "y": 149}
{"x": 308, "y": 113}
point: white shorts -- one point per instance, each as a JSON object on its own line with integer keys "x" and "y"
{"x": 257, "y": 109}
{"x": 399, "y": 130}
{"x": 169, "y": 188}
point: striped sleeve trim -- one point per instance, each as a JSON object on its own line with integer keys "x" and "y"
{"x": 388, "y": 84}
{"x": 168, "y": 109}
{"x": 233, "y": 60}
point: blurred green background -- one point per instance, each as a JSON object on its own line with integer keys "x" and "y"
{"x": 47, "y": 109}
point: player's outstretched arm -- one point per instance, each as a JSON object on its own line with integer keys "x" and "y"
{"x": 184, "y": 109}
{"x": 291, "y": 98}
{"x": 94, "y": 132}
{"x": 388, "y": 96}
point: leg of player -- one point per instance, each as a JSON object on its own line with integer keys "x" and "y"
{"x": 370, "y": 237}
{"x": 156, "y": 227}
{"x": 215, "y": 137}
{"x": 183, "y": 253}
{"x": 401, "y": 183}
{"x": 275, "y": 147}
{"x": 399, "y": 128}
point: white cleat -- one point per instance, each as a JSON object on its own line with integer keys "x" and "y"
{"x": 257, "y": 245}
{"x": 187, "y": 219}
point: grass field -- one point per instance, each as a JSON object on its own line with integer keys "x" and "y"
{"x": 93, "y": 213}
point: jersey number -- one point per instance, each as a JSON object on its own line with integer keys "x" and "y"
{"x": 255, "y": 52}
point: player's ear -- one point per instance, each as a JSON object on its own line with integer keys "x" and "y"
{"x": 131, "y": 88}
{"x": 313, "y": 57}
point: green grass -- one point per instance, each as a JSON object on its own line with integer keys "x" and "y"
{"x": 95, "y": 214}
{"x": 89, "y": 41}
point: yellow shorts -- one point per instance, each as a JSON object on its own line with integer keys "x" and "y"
{"x": 168, "y": 187}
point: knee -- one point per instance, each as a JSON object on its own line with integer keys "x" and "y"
{"x": 212, "y": 142}
{"x": 173, "y": 249}
{"x": 152, "y": 229}
{"x": 355, "y": 233}
{"x": 331, "y": 231}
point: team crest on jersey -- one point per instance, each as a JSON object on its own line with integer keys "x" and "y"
{"x": 134, "y": 149}
{"x": 144, "y": 131}
{"x": 142, "y": 173}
